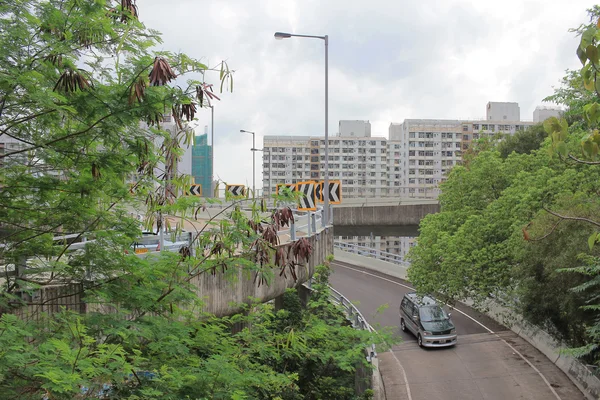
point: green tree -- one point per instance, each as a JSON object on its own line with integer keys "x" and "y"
{"x": 76, "y": 79}
{"x": 523, "y": 142}
{"x": 517, "y": 222}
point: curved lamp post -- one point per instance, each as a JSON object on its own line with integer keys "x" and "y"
{"x": 284, "y": 35}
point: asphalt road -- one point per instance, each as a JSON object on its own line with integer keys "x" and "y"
{"x": 489, "y": 362}
{"x": 370, "y": 291}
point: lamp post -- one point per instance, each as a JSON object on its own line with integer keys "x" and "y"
{"x": 212, "y": 144}
{"x": 283, "y": 35}
{"x": 268, "y": 151}
{"x": 253, "y": 162}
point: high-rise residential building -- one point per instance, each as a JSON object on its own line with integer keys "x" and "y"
{"x": 202, "y": 168}
{"x": 430, "y": 148}
{"x": 360, "y": 163}
{"x": 542, "y": 113}
{"x": 502, "y": 111}
{"x": 8, "y": 145}
{"x": 416, "y": 158}
{"x": 356, "y": 128}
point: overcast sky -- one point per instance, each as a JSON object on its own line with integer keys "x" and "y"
{"x": 388, "y": 61}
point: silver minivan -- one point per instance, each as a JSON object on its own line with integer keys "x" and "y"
{"x": 424, "y": 317}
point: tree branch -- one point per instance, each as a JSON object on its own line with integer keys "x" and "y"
{"x": 583, "y": 161}
{"x": 563, "y": 217}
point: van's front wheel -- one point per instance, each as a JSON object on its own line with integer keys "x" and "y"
{"x": 420, "y": 340}
{"x": 402, "y": 325}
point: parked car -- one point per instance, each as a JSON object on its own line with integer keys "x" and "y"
{"x": 427, "y": 320}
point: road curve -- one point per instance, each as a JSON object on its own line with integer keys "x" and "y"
{"x": 489, "y": 362}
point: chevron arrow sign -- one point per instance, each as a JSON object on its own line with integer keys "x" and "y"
{"x": 292, "y": 186}
{"x": 308, "y": 202}
{"x": 195, "y": 190}
{"x": 319, "y": 192}
{"x": 335, "y": 192}
{"x": 235, "y": 190}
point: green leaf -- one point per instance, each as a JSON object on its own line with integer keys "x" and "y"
{"x": 562, "y": 149}
{"x": 591, "y": 52}
{"x": 588, "y": 148}
{"x": 587, "y": 37}
{"x": 581, "y": 54}
{"x": 592, "y": 240}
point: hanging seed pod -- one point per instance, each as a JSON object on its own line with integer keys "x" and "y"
{"x": 96, "y": 171}
{"x": 54, "y": 59}
{"x": 188, "y": 111}
{"x": 128, "y": 10}
{"x": 161, "y": 72}
{"x": 72, "y": 80}
{"x": 302, "y": 250}
{"x": 137, "y": 91}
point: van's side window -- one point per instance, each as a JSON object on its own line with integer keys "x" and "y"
{"x": 406, "y": 305}
{"x": 414, "y": 310}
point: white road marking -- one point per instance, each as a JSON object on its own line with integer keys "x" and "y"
{"x": 466, "y": 315}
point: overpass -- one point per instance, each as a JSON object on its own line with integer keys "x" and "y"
{"x": 383, "y": 211}
{"x": 490, "y": 361}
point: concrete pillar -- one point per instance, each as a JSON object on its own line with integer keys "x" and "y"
{"x": 304, "y": 294}
{"x": 279, "y": 302}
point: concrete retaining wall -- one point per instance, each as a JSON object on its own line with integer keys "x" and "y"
{"x": 224, "y": 295}
{"x": 409, "y": 214}
{"x": 579, "y": 374}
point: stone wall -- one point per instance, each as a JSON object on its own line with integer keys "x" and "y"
{"x": 406, "y": 214}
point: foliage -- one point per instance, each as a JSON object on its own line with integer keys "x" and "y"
{"x": 288, "y": 354}
{"x": 517, "y": 221}
{"x": 523, "y": 142}
{"x": 84, "y": 100}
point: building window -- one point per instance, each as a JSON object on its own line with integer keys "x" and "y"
{"x": 465, "y": 128}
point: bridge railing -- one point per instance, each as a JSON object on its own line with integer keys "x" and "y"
{"x": 371, "y": 252}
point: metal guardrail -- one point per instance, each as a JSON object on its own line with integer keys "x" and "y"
{"x": 352, "y": 314}
{"x": 306, "y": 222}
{"x": 371, "y": 252}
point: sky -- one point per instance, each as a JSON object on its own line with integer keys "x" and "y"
{"x": 388, "y": 61}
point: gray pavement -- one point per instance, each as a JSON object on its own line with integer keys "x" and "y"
{"x": 482, "y": 365}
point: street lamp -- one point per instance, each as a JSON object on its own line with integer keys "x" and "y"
{"x": 325, "y": 193}
{"x": 212, "y": 144}
{"x": 253, "y": 162}
{"x": 269, "y": 151}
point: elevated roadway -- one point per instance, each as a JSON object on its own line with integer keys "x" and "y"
{"x": 489, "y": 361}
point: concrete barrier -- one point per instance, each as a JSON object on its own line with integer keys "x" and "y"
{"x": 404, "y": 214}
{"x": 395, "y": 270}
{"x": 577, "y": 372}
{"x": 225, "y": 296}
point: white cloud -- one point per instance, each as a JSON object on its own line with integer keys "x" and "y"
{"x": 389, "y": 60}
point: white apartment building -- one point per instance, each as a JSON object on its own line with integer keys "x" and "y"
{"x": 360, "y": 163}
{"x": 184, "y": 164}
{"x": 416, "y": 158}
{"x": 357, "y": 128}
{"x": 502, "y": 111}
{"x": 542, "y": 113}
{"x": 429, "y": 148}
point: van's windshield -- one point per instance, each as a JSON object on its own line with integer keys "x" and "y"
{"x": 432, "y": 313}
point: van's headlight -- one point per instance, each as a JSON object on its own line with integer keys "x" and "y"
{"x": 426, "y": 333}
{"x": 452, "y": 331}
